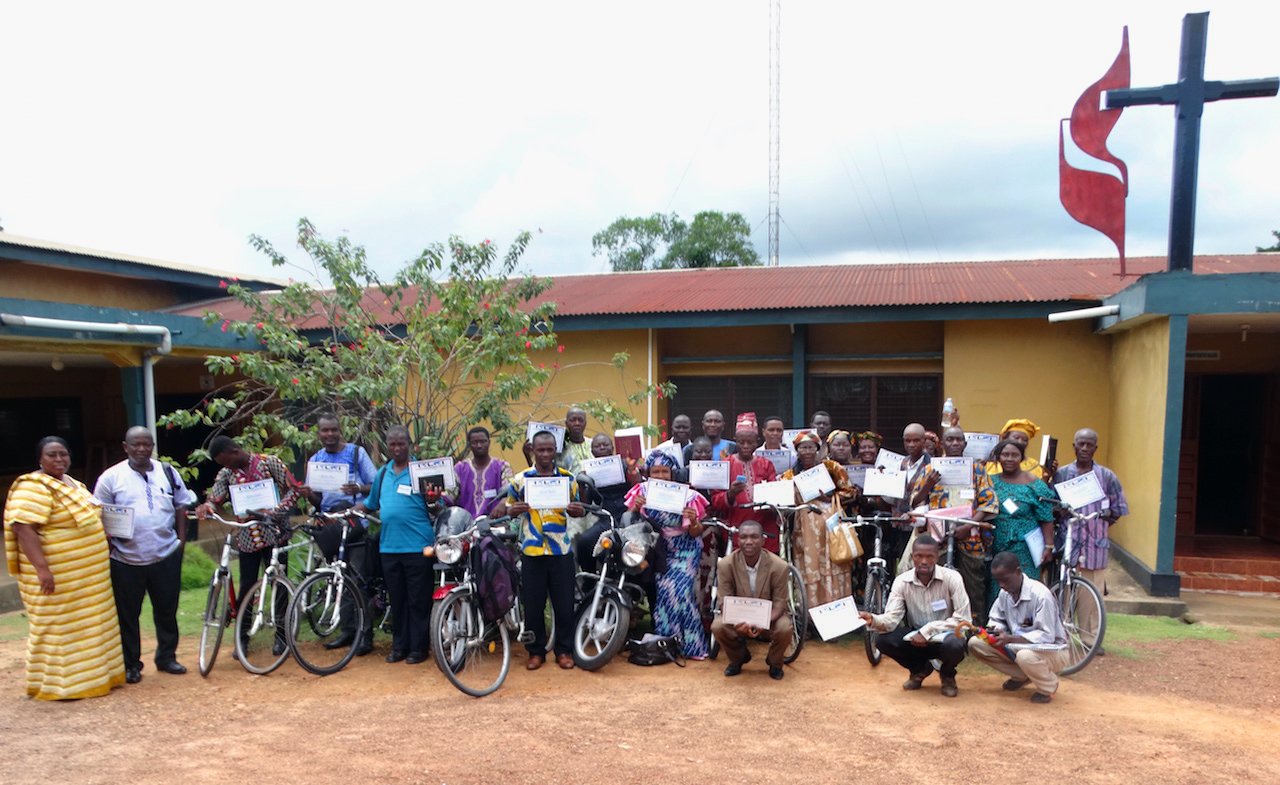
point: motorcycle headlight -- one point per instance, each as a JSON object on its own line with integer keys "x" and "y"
{"x": 448, "y": 551}
{"x": 633, "y": 553}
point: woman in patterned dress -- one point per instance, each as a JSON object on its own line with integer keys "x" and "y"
{"x": 824, "y": 582}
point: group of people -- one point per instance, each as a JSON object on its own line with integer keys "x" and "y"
{"x": 84, "y": 589}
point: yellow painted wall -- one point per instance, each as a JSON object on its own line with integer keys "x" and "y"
{"x": 1139, "y": 374}
{"x": 57, "y": 285}
{"x": 1052, "y": 374}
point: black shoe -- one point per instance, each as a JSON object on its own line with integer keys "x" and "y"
{"x": 415, "y": 657}
{"x": 395, "y": 656}
{"x": 279, "y": 647}
{"x": 340, "y": 643}
{"x": 132, "y": 675}
{"x": 775, "y": 673}
{"x": 172, "y": 666}
{"x": 733, "y": 668}
{"x": 366, "y": 644}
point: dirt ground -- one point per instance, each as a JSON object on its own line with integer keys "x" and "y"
{"x": 1181, "y": 712}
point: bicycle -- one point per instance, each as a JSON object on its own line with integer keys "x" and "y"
{"x": 797, "y": 599}
{"x": 333, "y": 603}
{"x": 1079, "y": 601}
{"x": 474, "y": 654}
{"x": 950, "y": 524}
{"x": 879, "y": 577}
{"x": 220, "y": 607}
{"x": 261, "y": 621}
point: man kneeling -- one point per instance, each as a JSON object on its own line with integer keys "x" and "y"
{"x": 753, "y": 572}
{"x": 1030, "y": 643}
{"x": 934, "y": 602}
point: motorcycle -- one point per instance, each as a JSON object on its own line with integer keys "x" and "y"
{"x": 612, "y": 593}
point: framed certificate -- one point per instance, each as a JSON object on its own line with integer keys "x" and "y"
{"x": 890, "y": 483}
{"x": 666, "y": 496}
{"x": 836, "y": 618}
{"x": 605, "y": 471}
{"x": 781, "y": 459}
{"x": 1080, "y": 491}
{"x": 888, "y": 459}
{"x": 249, "y": 496}
{"x": 815, "y": 482}
{"x": 327, "y": 477}
{"x": 781, "y": 493}
{"x": 546, "y": 493}
{"x": 552, "y": 428}
{"x": 857, "y": 474}
{"x": 979, "y": 445}
{"x": 790, "y": 434}
{"x": 751, "y": 610}
{"x": 440, "y": 466}
{"x": 955, "y": 472}
{"x": 118, "y": 521}
{"x": 711, "y": 475}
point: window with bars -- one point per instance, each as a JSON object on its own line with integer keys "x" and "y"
{"x": 882, "y": 403}
{"x": 731, "y": 395}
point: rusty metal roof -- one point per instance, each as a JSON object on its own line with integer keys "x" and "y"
{"x": 848, "y": 285}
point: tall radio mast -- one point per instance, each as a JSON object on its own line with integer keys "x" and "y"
{"x": 775, "y": 33}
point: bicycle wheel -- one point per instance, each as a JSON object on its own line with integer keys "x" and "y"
{"x": 473, "y": 655}
{"x": 261, "y": 640}
{"x": 326, "y": 621}
{"x": 1085, "y": 619}
{"x": 798, "y": 609}
{"x": 216, "y": 610}
{"x": 598, "y": 638}
{"x": 873, "y": 602}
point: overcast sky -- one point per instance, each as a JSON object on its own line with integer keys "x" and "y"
{"x": 909, "y": 131}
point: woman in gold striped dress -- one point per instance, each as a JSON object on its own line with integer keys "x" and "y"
{"x": 55, "y": 545}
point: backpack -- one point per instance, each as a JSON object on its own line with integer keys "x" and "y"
{"x": 497, "y": 581}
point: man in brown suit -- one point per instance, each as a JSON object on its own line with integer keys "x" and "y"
{"x": 753, "y": 572}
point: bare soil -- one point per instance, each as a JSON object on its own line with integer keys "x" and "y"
{"x": 1184, "y": 712}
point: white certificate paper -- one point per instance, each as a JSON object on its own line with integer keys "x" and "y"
{"x": 790, "y": 434}
{"x": 755, "y": 612}
{"x": 711, "y": 475}
{"x": 781, "y": 493}
{"x": 1035, "y": 543}
{"x": 979, "y": 445}
{"x": 118, "y": 521}
{"x": 605, "y": 471}
{"x": 956, "y": 472}
{"x": 891, "y": 483}
{"x": 815, "y": 482}
{"x": 857, "y": 473}
{"x": 888, "y": 459}
{"x": 781, "y": 459}
{"x": 666, "y": 496}
{"x": 556, "y": 430}
{"x": 327, "y": 477}
{"x": 1080, "y": 491}
{"x": 249, "y": 496}
{"x": 836, "y": 618}
{"x": 546, "y": 493}
{"x": 441, "y": 466}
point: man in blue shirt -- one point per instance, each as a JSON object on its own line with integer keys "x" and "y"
{"x": 406, "y": 530}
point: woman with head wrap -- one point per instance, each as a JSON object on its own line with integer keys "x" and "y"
{"x": 677, "y": 611}
{"x": 1022, "y": 431}
{"x": 824, "y": 582}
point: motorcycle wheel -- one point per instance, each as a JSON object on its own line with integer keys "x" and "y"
{"x": 597, "y": 639}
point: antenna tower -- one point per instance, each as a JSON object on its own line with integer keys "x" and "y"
{"x": 775, "y": 33}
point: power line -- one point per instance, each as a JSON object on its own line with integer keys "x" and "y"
{"x": 911, "y": 176}
{"x": 796, "y": 237}
{"x": 862, "y": 209}
{"x": 893, "y": 202}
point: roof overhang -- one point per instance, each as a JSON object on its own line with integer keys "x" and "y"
{"x": 187, "y": 332}
{"x": 1182, "y": 293}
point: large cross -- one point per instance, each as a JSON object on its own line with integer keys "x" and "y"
{"x": 1190, "y": 93}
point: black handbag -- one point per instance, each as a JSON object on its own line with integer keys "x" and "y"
{"x": 658, "y": 650}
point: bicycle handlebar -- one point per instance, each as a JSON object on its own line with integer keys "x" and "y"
{"x": 216, "y": 517}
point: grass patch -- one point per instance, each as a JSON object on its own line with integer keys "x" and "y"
{"x": 1269, "y": 635}
{"x": 197, "y": 567}
{"x": 1126, "y": 629}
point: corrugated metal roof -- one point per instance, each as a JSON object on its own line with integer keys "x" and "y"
{"x": 75, "y": 250}
{"x": 844, "y": 286}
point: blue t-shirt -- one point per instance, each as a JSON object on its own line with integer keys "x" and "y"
{"x": 406, "y": 527}
{"x": 360, "y": 469}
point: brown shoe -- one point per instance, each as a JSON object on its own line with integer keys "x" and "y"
{"x": 949, "y": 688}
{"x": 915, "y": 681}
{"x": 535, "y": 662}
{"x": 564, "y": 661}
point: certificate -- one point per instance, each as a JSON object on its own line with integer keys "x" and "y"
{"x": 711, "y": 475}
{"x": 118, "y": 521}
{"x": 781, "y": 493}
{"x": 955, "y": 472}
{"x": 1080, "y": 491}
{"x": 781, "y": 459}
{"x": 836, "y": 618}
{"x": 556, "y": 430}
{"x": 888, "y": 459}
{"x": 327, "y": 477}
{"x": 891, "y": 483}
{"x": 790, "y": 434}
{"x": 605, "y": 471}
{"x": 440, "y": 466}
{"x": 857, "y": 474}
{"x": 815, "y": 482}
{"x": 755, "y": 612}
{"x": 546, "y": 493}
{"x": 666, "y": 496}
{"x": 249, "y": 496}
{"x": 979, "y": 445}
{"x": 1035, "y": 543}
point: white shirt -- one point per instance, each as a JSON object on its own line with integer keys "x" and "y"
{"x": 751, "y": 575}
{"x": 152, "y": 500}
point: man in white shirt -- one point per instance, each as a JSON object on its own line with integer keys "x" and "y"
{"x": 1030, "y": 643}
{"x": 933, "y": 602}
{"x": 149, "y": 561}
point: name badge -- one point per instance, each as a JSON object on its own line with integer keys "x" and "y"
{"x": 938, "y": 605}
{"x": 1010, "y": 506}
{"x": 404, "y": 490}
{"x": 491, "y": 493}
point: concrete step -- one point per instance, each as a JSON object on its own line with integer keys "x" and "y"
{"x": 1124, "y": 595}
{"x": 1232, "y": 582}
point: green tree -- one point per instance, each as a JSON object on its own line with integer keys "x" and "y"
{"x": 455, "y": 338}
{"x": 1276, "y": 247}
{"x": 660, "y": 242}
